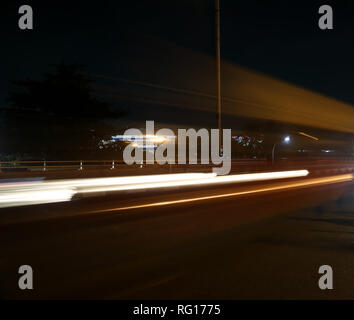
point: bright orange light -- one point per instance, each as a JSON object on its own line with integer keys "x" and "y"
{"x": 157, "y": 139}
{"x": 308, "y": 136}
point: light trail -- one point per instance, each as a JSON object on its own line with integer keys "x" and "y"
{"x": 38, "y": 192}
{"x": 109, "y": 181}
{"x": 38, "y": 196}
{"x": 203, "y": 180}
{"x": 312, "y": 182}
{"x": 14, "y": 194}
{"x": 308, "y": 136}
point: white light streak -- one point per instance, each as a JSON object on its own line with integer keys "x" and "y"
{"x": 37, "y": 192}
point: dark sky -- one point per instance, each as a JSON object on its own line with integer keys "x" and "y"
{"x": 112, "y": 38}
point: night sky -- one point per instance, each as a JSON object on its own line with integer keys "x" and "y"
{"x": 135, "y": 40}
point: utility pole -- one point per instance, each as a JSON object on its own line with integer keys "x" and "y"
{"x": 218, "y": 80}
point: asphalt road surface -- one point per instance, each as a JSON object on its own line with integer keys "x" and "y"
{"x": 258, "y": 245}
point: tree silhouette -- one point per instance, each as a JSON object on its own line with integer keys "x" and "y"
{"x": 58, "y": 116}
{"x": 65, "y": 93}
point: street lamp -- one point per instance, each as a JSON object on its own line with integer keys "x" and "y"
{"x": 218, "y": 77}
{"x": 286, "y": 140}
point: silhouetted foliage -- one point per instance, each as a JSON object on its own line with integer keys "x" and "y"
{"x": 65, "y": 93}
{"x": 56, "y": 117}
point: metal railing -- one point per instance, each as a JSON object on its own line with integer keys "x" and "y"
{"x": 45, "y": 165}
{"x": 68, "y": 168}
{"x": 51, "y": 165}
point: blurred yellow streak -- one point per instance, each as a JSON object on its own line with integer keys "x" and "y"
{"x": 290, "y": 185}
{"x": 308, "y": 136}
{"x": 245, "y": 92}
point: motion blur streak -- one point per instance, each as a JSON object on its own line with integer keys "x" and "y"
{"x": 26, "y": 193}
{"x": 111, "y": 180}
{"x": 204, "y": 180}
{"x": 41, "y": 195}
{"x": 37, "y": 192}
{"x": 312, "y": 182}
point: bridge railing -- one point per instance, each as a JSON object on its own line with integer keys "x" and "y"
{"x": 45, "y": 165}
{"x": 62, "y": 165}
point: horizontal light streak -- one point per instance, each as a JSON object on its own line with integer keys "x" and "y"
{"x": 38, "y": 196}
{"x": 308, "y": 136}
{"x": 312, "y": 182}
{"x": 110, "y": 180}
{"x": 204, "y": 180}
{"x": 38, "y": 192}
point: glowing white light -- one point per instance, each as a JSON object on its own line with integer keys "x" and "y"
{"x": 291, "y": 185}
{"x": 39, "y": 196}
{"x": 199, "y": 181}
{"x": 36, "y": 192}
